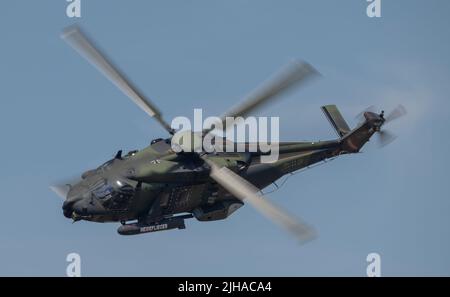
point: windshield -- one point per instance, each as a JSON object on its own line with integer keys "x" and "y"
{"x": 116, "y": 196}
{"x": 102, "y": 189}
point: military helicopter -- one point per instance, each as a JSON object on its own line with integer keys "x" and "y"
{"x": 158, "y": 188}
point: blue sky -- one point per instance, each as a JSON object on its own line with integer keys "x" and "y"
{"x": 59, "y": 117}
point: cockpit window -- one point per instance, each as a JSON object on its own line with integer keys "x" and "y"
{"x": 102, "y": 189}
{"x": 114, "y": 196}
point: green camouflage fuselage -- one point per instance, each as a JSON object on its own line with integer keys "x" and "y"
{"x": 156, "y": 182}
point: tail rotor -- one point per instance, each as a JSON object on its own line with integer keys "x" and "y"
{"x": 385, "y": 137}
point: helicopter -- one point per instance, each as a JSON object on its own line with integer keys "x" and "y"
{"x": 157, "y": 188}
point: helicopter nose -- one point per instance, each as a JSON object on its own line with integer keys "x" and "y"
{"x": 80, "y": 207}
{"x": 74, "y": 197}
{"x": 67, "y": 209}
{"x": 71, "y": 206}
{"x": 75, "y": 206}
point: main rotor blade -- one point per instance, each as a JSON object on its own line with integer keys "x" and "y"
{"x": 81, "y": 43}
{"x": 293, "y": 74}
{"x": 244, "y": 190}
{"x": 398, "y": 112}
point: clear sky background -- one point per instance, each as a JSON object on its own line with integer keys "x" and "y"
{"x": 59, "y": 117}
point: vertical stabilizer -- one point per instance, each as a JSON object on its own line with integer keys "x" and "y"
{"x": 336, "y": 120}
